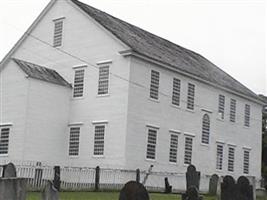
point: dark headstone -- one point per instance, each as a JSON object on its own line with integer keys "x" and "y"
{"x": 213, "y": 184}
{"x": 228, "y": 188}
{"x": 138, "y": 175}
{"x": 97, "y": 178}
{"x": 12, "y": 189}
{"x": 133, "y": 191}
{"x": 244, "y": 189}
{"x": 56, "y": 181}
{"x": 50, "y": 192}
{"x": 192, "y": 177}
{"x": 191, "y": 194}
{"x": 168, "y": 187}
{"x": 9, "y": 171}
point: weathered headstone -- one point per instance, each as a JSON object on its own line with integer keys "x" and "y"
{"x": 252, "y": 181}
{"x": 192, "y": 177}
{"x": 56, "y": 181}
{"x": 244, "y": 189}
{"x": 97, "y": 178}
{"x": 168, "y": 187}
{"x": 213, "y": 184}
{"x": 191, "y": 194}
{"x": 228, "y": 188}
{"x": 12, "y": 189}
{"x": 50, "y": 192}
{"x": 133, "y": 191}
{"x": 9, "y": 171}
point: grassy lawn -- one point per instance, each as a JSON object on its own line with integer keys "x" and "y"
{"x": 109, "y": 196}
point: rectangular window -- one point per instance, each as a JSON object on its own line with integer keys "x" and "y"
{"x": 58, "y": 32}
{"x": 74, "y": 141}
{"x": 154, "y": 85}
{"x": 188, "y": 150}
{"x": 99, "y": 140}
{"x": 232, "y": 110}
{"x": 173, "y": 148}
{"x": 4, "y": 140}
{"x": 176, "y": 91}
{"x": 231, "y": 159}
{"x": 151, "y": 144}
{"x": 103, "y": 80}
{"x": 221, "y": 106}
{"x": 78, "y": 83}
{"x": 246, "y": 162}
{"x": 190, "y": 96}
{"x": 247, "y": 115}
{"x": 219, "y": 157}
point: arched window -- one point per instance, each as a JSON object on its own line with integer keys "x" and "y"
{"x": 205, "y": 129}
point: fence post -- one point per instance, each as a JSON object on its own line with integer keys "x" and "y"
{"x": 97, "y": 178}
{"x": 138, "y": 175}
{"x": 56, "y": 181}
{"x": 38, "y": 175}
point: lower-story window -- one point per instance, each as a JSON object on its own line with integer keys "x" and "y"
{"x": 4, "y": 140}
{"x": 74, "y": 141}
{"x": 151, "y": 144}
{"x": 99, "y": 139}
{"x": 219, "y": 157}
{"x": 173, "y": 148}
{"x": 188, "y": 150}
{"x": 231, "y": 159}
{"x": 246, "y": 162}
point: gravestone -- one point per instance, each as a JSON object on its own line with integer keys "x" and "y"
{"x": 213, "y": 184}
{"x": 50, "y": 192}
{"x": 168, "y": 187}
{"x": 56, "y": 181}
{"x": 228, "y": 188}
{"x": 192, "y": 177}
{"x": 9, "y": 171}
{"x": 133, "y": 191}
{"x": 244, "y": 189}
{"x": 191, "y": 194}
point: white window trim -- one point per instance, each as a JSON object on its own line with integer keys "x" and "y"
{"x": 63, "y": 34}
{"x": 100, "y": 122}
{"x": 156, "y": 128}
{"x": 153, "y": 126}
{"x": 78, "y": 67}
{"x": 174, "y": 132}
{"x": 186, "y": 134}
{"x": 104, "y": 64}
{"x": 6, "y": 124}
{"x": 75, "y": 126}
{"x": 9, "y": 125}
{"x": 97, "y": 123}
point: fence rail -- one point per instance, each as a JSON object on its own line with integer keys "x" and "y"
{"x": 84, "y": 178}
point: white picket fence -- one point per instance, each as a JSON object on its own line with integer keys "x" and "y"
{"x": 83, "y": 178}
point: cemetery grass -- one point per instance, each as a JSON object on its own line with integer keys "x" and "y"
{"x": 110, "y": 196}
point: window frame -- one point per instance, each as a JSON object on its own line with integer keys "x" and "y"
{"x": 9, "y": 127}
{"x": 70, "y": 136}
{"x": 221, "y": 106}
{"x": 150, "y": 145}
{"x": 205, "y": 130}
{"x": 176, "y": 91}
{"x": 58, "y": 20}
{"x": 99, "y": 124}
{"x": 188, "y": 149}
{"x": 191, "y": 92}
{"x": 219, "y": 156}
{"x": 173, "y": 147}
{"x": 75, "y": 87}
{"x": 154, "y": 85}
{"x": 233, "y": 106}
{"x": 231, "y": 159}
{"x": 101, "y": 81}
{"x": 247, "y": 113}
{"x": 246, "y": 161}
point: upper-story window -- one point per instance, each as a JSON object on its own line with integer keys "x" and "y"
{"x": 246, "y": 162}
{"x": 205, "y": 129}
{"x": 176, "y": 91}
{"x": 58, "y": 32}
{"x": 74, "y": 141}
{"x": 247, "y": 115}
{"x": 232, "y": 110}
{"x": 4, "y": 140}
{"x": 103, "y": 81}
{"x": 190, "y": 96}
{"x": 154, "y": 85}
{"x": 78, "y": 82}
{"x": 221, "y": 106}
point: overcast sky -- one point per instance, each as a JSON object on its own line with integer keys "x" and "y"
{"x": 230, "y": 33}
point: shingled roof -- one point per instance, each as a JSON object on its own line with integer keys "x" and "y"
{"x": 164, "y": 51}
{"x": 41, "y": 73}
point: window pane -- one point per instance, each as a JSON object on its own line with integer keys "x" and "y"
{"x": 154, "y": 85}
{"x": 103, "y": 80}
{"x": 99, "y": 140}
{"x": 78, "y": 83}
{"x": 74, "y": 141}
{"x": 4, "y": 140}
{"x": 176, "y": 92}
{"x": 58, "y": 29}
{"x": 151, "y": 144}
{"x": 247, "y": 115}
{"x": 219, "y": 157}
{"x": 205, "y": 129}
{"x": 221, "y": 106}
{"x": 190, "y": 96}
{"x": 188, "y": 150}
{"x": 231, "y": 159}
{"x": 173, "y": 148}
{"x": 232, "y": 110}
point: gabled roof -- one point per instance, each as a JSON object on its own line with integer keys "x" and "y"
{"x": 41, "y": 73}
{"x": 164, "y": 51}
